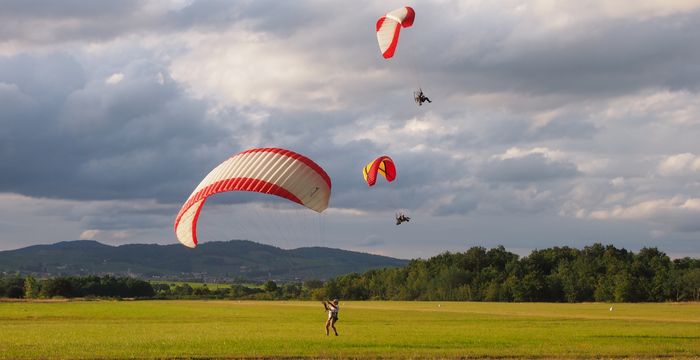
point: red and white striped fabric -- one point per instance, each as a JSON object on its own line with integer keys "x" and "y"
{"x": 266, "y": 170}
{"x": 389, "y": 26}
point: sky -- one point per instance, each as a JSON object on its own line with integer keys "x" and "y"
{"x": 553, "y": 123}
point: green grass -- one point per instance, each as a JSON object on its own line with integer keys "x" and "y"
{"x": 233, "y": 329}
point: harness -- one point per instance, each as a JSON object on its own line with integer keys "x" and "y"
{"x": 333, "y": 312}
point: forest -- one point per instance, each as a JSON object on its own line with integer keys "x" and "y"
{"x": 558, "y": 274}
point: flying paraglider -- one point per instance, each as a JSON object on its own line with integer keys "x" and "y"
{"x": 383, "y": 165}
{"x": 401, "y": 217}
{"x": 389, "y": 26}
{"x": 274, "y": 171}
{"x": 388, "y": 30}
{"x": 420, "y": 97}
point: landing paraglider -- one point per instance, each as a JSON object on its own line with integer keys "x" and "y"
{"x": 273, "y": 171}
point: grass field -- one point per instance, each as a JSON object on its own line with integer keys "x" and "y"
{"x": 233, "y": 329}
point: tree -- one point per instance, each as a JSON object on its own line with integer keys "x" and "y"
{"x": 651, "y": 270}
{"x": 60, "y": 286}
{"x": 201, "y": 291}
{"x": 12, "y": 287}
{"x": 183, "y": 290}
{"x": 313, "y": 284}
{"x": 31, "y": 287}
{"x": 690, "y": 282}
{"x": 270, "y": 286}
{"x": 623, "y": 290}
{"x": 291, "y": 291}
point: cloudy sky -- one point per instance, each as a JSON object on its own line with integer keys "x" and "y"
{"x": 553, "y": 123}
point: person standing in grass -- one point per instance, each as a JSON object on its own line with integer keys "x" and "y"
{"x": 332, "y": 308}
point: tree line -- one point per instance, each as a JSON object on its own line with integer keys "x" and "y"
{"x": 269, "y": 290}
{"x": 74, "y": 287}
{"x": 558, "y": 274}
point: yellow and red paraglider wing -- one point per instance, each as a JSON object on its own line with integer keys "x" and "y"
{"x": 383, "y": 165}
{"x": 272, "y": 171}
{"x": 389, "y": 26}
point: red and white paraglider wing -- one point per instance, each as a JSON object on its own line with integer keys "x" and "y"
{"x": 389, "y": 26}
{"x": 272, "y": 171}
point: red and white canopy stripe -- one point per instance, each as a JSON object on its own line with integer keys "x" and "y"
{"x": 389, "y": 26}
{"x": 266, "y": 170}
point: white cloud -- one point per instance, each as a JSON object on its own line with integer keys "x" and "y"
{"x": 618, "y": 181}
{"x": 679, "y": 164}
{"x": 345, "y": 212}
{"x": 691, "y": 205}
{"x": 583, "y": 161}
{"x": 678, "y": 108}
{"x": 614, "y": 198}
{"x": 115, "y": 78}
{"x": 241, "y": 68}
{"x": 91, "y": 234}
{"x": 563, "y": 12}
{"x": 550, "y": 154}
{"x": 676, "y": 214}
{"x": 424, "y": 133}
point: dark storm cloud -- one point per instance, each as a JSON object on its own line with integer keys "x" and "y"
{"x": 457, "y": 50}
{"x": 278, "y": 17}
{"x": 591, "y": 60}
{"x": 529, "y": 168}
{"x": 464, "y": 202}
{"x": 75, "y": 137}
{"x": 513, "y": 130}
{"x": 67, "y": 8}
{"x": 50, "y": 22}
{"x": 47, "y": 79}
{"x": 688, "y": 225}
{"x": 372, "y": 241}
{"x": 115, "y": 217}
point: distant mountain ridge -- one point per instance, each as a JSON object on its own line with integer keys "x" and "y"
{"x": 211, "y": 261}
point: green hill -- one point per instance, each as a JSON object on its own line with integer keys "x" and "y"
{"x": 212, "y": 261}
